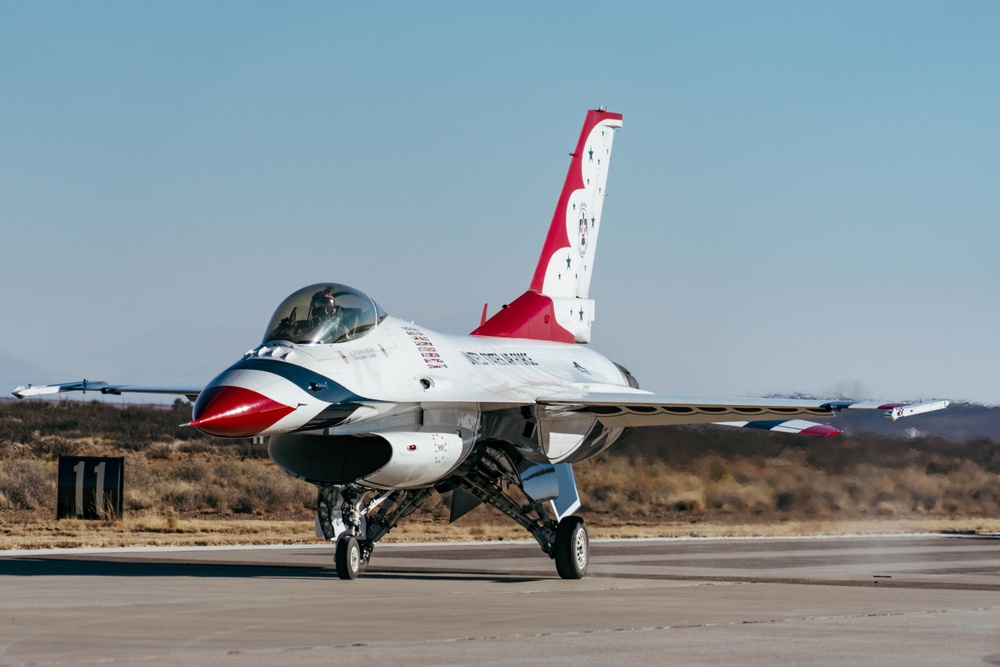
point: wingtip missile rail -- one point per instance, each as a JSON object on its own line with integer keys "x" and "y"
{"x": 900, "y": 411}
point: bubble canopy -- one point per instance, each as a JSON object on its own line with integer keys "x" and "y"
{"x": 323, "y": 314}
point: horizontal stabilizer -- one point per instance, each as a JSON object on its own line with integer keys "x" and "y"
{"x": 787, "y": 426}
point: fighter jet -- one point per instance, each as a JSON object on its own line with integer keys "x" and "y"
{"x": 381, "y": 414}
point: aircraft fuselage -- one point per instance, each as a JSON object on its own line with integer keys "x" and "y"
{"x": 401, "y": 377}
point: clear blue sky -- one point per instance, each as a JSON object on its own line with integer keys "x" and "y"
{"x": 805, "y": 196}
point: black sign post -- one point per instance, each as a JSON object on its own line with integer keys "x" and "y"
{"x": 90, "y": 487}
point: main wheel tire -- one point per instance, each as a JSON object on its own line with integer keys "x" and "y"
{"x": 347, "y": 557}
{"x": 572, "y": 548}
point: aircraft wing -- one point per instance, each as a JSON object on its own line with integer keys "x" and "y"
{"x": 115, "y": 389}
{"x": 777, "y": 414}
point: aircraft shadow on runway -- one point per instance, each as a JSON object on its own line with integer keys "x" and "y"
{"x": 70, "y": 567}
{"x": 90, "y": 567}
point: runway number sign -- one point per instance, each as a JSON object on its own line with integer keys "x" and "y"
{"x": 90, "y": 487}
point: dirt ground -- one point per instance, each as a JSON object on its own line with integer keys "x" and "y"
{"x": 23, "y": 529}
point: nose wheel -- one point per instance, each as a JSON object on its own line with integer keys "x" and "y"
{"x": 348, "y": 558}
{"x": 572, "y": 548}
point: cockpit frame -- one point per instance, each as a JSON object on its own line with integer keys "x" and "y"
{"x": 324, "y": 314}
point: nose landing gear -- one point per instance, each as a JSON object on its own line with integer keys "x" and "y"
{"x": 347, "y": 557}
{"x": 356, "y": 518}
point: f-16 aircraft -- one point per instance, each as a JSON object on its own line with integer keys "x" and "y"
{"x": 381, "y": 414}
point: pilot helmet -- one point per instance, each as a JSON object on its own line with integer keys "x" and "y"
{"x": 323, "y": 304}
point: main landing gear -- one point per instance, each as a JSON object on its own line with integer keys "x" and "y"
{"x": 356, "y": 517}
{"x": 565, "y": 541}
{"x": 572, "y": 548}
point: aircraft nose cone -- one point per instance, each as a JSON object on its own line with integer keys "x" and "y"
{"x": 235, "y": 412}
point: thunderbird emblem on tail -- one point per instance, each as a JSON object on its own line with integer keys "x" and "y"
{"x": 381, "y": 414}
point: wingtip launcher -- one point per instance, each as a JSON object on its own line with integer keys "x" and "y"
{"x": 26, "y": 391}
{"x": 900, "y": 411}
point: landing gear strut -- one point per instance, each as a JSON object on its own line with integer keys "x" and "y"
{"x": 565, "y": 541}
{"x": 356, "y": 518}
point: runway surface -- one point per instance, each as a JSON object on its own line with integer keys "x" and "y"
{"x": 914, "y": 600}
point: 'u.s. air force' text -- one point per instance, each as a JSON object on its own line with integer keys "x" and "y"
{"x": 499, "y": 359}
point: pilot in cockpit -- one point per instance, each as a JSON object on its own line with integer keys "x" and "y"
{"x": 326, "y": 321}
{"x": 323, "y": 307}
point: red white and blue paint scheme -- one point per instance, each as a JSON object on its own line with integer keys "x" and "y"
{"x": 380, "y": 413}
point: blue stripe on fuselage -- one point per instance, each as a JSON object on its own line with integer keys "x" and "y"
{"x": 331, "y": 392}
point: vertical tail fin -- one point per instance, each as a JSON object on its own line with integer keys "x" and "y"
{"x": 556, "y": 306}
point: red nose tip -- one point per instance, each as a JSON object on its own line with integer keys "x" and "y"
{"x": 235, "y": 412}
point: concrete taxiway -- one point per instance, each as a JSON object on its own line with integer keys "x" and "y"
{"x": 913, "y": 600}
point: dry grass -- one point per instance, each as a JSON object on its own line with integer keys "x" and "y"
{"x": 150, "y": 530}
{"x": 795, "y": 484}
{"x": 182, "y": 488}
{"x": 158, "y": 530}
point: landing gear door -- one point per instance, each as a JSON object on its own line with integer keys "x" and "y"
{"x": 562, "y": 434}
{"x": 554, "y": 482}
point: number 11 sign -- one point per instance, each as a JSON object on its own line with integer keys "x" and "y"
{"x": 90, "y": 487}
